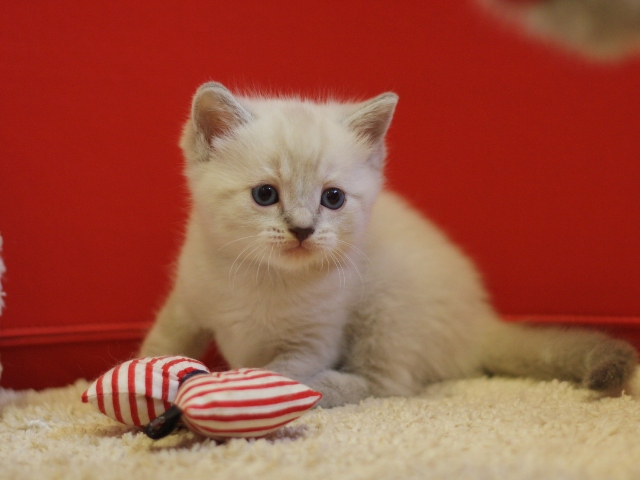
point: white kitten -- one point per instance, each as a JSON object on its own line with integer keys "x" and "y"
{"x": 294, "y": 260}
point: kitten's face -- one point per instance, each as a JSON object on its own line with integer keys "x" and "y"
{"x": 290, "y": 186}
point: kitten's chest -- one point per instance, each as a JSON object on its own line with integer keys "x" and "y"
{"x": 246, "y": 339}
{"x": 252, "y": 324}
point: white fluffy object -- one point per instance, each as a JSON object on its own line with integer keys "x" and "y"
{"x": 478, "y": 429}
{"x": 2, "y": 270}
{"x": 598, "y": 29}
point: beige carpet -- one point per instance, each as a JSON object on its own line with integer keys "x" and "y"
{"x": 481, "y": 428}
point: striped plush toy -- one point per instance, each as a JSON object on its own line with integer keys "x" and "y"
{"x": 138, "y": 391}
{"x": 246, "y": 402}
{"x": 239, "y": 403}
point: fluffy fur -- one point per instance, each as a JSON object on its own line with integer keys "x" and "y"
{"x": 372, "y": 299}
{"x": 599, "y": 29}
{"x": 2, "y": 270}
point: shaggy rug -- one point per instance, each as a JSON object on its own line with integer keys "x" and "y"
{"x": 477, "y": 429}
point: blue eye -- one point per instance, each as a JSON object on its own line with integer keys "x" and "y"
{"x": 332, "y": 198}
{"x": 265, "y": 195}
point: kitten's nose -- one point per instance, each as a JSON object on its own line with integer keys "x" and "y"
{"x": 302, "y": 233}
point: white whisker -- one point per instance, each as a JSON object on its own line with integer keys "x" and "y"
{"x": 242, "y": 262}
{"x": 249, "y": 265}
{"x": 344, "y": 265}
{"x": 264, "y": 252}
{"x": 345, "y": 255}
{"x": 356, "y": 249}
{"x": 269, "y": 264}
{"x": 326, "y": 257}
{"x": 236, "y": 240}
{"x": 253, "y": 262}
{"x": 341, "y": 273}
{"x": 237, "y": 258}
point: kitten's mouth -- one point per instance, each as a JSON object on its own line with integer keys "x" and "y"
{"x": 298, "y": 250}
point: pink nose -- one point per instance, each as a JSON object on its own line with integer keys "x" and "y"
{"x": 301, "y": 233}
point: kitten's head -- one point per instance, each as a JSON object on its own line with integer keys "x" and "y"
{"x": 287, "y": 181}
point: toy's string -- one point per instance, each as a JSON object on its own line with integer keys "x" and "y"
{"x": 166, "y": 423}
{"x": 192, "y": 374}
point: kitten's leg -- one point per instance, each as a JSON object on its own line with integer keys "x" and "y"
{"x": 339, "y": 388}
{"x": 313, "y": 369}
{"x": 174, "y": 334}
{"x": 307, "y": 351}
{"x": 587, "y": 357}
{"x": 300, "y": 365}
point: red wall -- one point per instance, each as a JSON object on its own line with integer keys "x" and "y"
{"x": 528, "y": 157}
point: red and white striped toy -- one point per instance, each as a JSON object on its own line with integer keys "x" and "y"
{"x": 138, "y": 391}
{"x": 242, "y": 403}
{"x": 246, "y": 402}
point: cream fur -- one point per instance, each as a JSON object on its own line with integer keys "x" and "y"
{"x": 472, "y": 429}
{"x": 377, "y": 301}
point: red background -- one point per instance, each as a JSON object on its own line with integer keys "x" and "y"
{"x": 528, "y": 157}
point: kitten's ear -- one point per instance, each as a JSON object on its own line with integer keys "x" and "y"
{"x": 372, "y": 118}
{"x": 215, "y": 111}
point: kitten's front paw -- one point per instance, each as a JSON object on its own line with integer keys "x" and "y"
{"x": 339, "y": 388}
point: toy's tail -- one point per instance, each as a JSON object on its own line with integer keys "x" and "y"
{"x": 164, "y": 424}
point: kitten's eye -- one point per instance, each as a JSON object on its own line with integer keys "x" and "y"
{"x": 332, "y": 198}
{"x": 265, "y": 195}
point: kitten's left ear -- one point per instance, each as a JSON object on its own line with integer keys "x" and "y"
{"x": 372, "y": 118}
{"x": 215, "y": 113}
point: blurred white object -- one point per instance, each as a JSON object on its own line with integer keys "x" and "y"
{"x": 2, "y": 270}
{"x": 599, "y": 29}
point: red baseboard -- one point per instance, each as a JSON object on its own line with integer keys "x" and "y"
{"x": 56, "y": 356}
{"x": 65, "y": 334}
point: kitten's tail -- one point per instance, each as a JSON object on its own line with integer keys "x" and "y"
{"x": 587, "y": 357}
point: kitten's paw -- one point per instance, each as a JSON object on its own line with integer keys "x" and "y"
{"x": 339, "y": 388}
{"x": 610, "y": 371}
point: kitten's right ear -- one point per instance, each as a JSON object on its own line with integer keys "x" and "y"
{"x": 215, "y": 113}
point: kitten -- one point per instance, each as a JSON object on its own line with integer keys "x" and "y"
{"x": 296, "y": 260}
